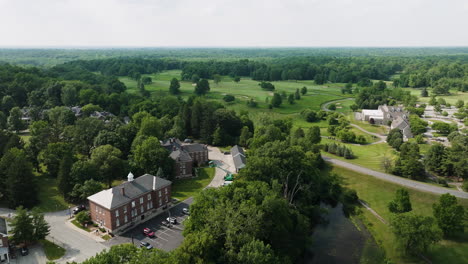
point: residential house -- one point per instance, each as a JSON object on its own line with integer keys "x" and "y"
{"x": 130, "y": 203}
{"x": 4, "y": 245}
{"x": 186, "y": 156}
{"x": 238, "y": 157}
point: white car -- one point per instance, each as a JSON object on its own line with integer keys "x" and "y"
{"x": 226, "y": 183}
{"x": 186, "y": 211}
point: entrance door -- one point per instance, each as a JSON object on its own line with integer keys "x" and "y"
{"x": 142, "y": 217}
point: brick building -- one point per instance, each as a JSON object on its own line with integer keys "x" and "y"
{"x": 130, "y": 203}
{"x": 186, "y": 156}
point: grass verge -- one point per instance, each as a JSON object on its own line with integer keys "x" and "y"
{"x": 50, "y": 199}
{"x": 378, "y": 193}
{"x": 80, "y": 226}
{"x": 185, "y": 188}
{"x": 52, "y": 251}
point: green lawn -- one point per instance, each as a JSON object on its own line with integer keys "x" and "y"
{"x": 452, "y": 98}
{"x": 378, "y": 193}
{"x": 80, "y": 226}
{"x": 369, "y": 156}
{"x": 185, "y": 188}
{"x": 52, "y": 251}
{"x": 50, "y": 199}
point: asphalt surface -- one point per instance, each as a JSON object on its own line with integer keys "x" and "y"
{"x": 395, "y": 179}
{"x": 166, "y": 238}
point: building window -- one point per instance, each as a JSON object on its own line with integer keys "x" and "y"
{"x": 126, "y": 219}
{"x": 117, "y": 213}
{"x": 141, "y": 200}
{"x": 159, "y": 193}
{"x": 160, "y": 202}
{"x": 149, "y": 196}
{"x": 133, "y": 204}
{"x": 117, "y": 222}
{"x": 149, "y": 206}
{"x": 165, "y": 190}
{"x": 125, "y": 209}
{"x": 142, "y": 208}
{"x": 97, "y": 208}
{"x": 166, "y": 199}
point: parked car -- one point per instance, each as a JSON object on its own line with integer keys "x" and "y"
{"x": 146, "y": 245}
{"x": 188, "y": 140}
{"x": 24, "y": 251}
{"x": 172, "y": 220}
{"x": 78, "y": 209}
{"x": 186, "y": 211}
{"x": 166, "y": 224}
{"x": 226, "y": 183}
{"x": 148, "y": 232}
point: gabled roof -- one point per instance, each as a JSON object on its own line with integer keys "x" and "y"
{"x": 194, "y": 147}
{"x": 238, "y": 156}
{"x": 179, "y": 155}
{"x": 113, "y": 197}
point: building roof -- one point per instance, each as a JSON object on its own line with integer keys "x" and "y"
{"x": 194, "y": 147}
{"x": 3, "y": 226}
{"x": 238, "y": 156}
{"x": 372, "y": 112}
{"x": 180, "y": 155}
{"x": 113, "y": 197}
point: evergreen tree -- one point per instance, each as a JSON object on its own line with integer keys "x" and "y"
{"x": 277, "y": 100}
{"x": 424, "y": 92}
{"x": 22, "y": 227}
{"x": 160, "y": 173}
{"x": 174, "y": 87}
{"x": 244, "y": 136}
{"x": 41, "y": 227}
{"x": 401, "y": 203}
{"x": 196, "y": 119}
{"x": 297, "y": 95}
{"x": 303, "y": 90}
{"x": 20, "y": 183}
{"x": 291, "y": 99}
{"x": 313, "y": 135}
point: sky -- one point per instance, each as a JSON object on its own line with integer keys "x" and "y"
{"x": 233, "y": 23}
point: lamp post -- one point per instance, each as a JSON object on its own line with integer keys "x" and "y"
{"x": 69, "y": 211}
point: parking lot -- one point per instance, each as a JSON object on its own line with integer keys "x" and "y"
{"x": 166, "y": 238}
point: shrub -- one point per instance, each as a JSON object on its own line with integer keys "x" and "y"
{"x": 332, "y": 107}
{"x": 228, "y": 98}
{"x": 83, "y": 217}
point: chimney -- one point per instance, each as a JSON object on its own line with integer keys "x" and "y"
{"x": 154, "y": 183}
{"x": 122, "y": 191}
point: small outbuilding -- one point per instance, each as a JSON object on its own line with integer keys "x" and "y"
{"x": 238, "y": 156}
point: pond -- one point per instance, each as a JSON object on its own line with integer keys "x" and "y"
{"x": 340, "y": 241}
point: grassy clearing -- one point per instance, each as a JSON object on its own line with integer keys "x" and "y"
{"x": 50, "y": 199}
{"x": 370, "y": 190}
{"x": 52, "y": 251}
{"x": 369, "y": 156}
{"x": 185, "y": 188}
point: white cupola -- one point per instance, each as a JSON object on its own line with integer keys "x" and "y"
{"x": 130, "y": 177}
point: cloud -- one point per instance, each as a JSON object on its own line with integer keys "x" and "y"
{"x": 233, "y": 23}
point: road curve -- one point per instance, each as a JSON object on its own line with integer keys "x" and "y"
{"x": 395, "y": 179}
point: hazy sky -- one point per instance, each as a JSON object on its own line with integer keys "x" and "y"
{"x": 233, "y": 23}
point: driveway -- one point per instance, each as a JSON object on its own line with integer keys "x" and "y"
{"x": 395, "y": 179}
{"x": 36, "y": 256}
{"x": 225, "y": 165}
{"x": 79, "y": 247}
{"x": 166, "y": 238}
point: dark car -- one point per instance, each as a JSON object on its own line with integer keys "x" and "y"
{"x": 172, "y": 220}
{"x": 148, "y": 232}
{"x": 78, "y": 209}
{"x": 146, "y": 245}
{"x": 24, "y": 251}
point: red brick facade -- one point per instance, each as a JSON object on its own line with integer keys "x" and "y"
{"x": 135, "y": 211}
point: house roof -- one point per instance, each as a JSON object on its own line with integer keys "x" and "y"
{"x": 238, "y": 156}
{"x": 194, "y": 147}
{"x": 180, "y": 155}
{"x": 3, "y": 226}
{"x": 113, "y": 197}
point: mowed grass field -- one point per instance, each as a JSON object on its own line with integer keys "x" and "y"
{"x": 248, "y": 89}
{"x": 378, "y": 193}
{"x": 452, "y": 98}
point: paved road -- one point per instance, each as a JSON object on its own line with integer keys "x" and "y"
{"x": 225, "y": 162}
{"x": 395, "y": 179}
{"x": 166, "y": 238}
{"x": 325, "y": 105}
{"x": 79, "y": 247}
